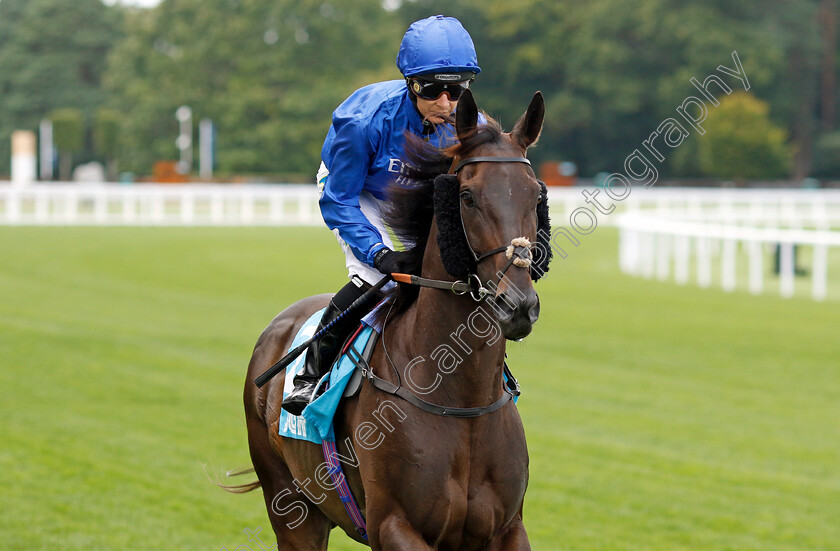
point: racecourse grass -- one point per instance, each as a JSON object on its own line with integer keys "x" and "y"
{"x": 659, "y": 417}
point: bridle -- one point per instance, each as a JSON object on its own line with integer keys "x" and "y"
{"x": 456, "y": 167}
{"x": 518, "y": 251}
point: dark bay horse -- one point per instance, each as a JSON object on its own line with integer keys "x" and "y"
{"x": 424, "y": 480}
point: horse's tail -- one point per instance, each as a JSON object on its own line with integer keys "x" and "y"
{"x": 238, "y": 488}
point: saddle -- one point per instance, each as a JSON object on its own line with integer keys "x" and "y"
{"x": 315, "y": 424}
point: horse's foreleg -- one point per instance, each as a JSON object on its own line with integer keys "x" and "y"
{"x": 396, "y": 534}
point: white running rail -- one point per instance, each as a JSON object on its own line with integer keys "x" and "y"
{"x": 287, "y": 204}
{"x": 160, "y": 205}
{"x": 649, "y": 245}
{"x": 658, "y": 226}
{"x": 765, "y": 207}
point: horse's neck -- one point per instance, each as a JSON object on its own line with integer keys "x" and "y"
{"x": 460, "y": 342}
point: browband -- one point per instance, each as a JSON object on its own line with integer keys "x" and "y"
{"x": 490, "y": 160}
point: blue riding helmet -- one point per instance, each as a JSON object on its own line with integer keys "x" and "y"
{"x": 437, "y": 44}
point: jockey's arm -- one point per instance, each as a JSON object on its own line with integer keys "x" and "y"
{"x": 348, "y": 161}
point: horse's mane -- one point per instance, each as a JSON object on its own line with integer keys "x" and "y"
{"x": 409, "y": 208}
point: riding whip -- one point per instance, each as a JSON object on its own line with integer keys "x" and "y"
{"x": 283, "y": 362}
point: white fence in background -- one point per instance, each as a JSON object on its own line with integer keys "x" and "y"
{"x": 649, "y": 246}
{"x": 659, "y": 227}
{"x": 793, "y": 208}
{"x": 276, "y": 204}
{"x": 159, "y": 205}
{"x": 663, "y": 229}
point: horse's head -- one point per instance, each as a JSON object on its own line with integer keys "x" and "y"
{"x": 489, "y": 213}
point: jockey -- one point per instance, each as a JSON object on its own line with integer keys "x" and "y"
{"x": 361, "y": 155}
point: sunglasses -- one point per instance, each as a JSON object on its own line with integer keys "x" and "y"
{"x": 432, "y": 90}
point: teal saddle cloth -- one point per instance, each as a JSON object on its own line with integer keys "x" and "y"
{"x": 315, "y": 424}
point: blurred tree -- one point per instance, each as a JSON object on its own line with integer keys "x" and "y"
{"x": 270, "y": 73}
{"x": 827, "y": 155}
{"x": 52, "y": 55}
{"x": 794, "y": 93}
{"x": 742, "y": 142}
{"x": 267, "y": 72}
{"x": 68, "y": 137}
{"x": 828, "y": 82}
{"x": 611, "y": 70}
{"x": 11, "y": 13}
{"x": 106, "y": 134}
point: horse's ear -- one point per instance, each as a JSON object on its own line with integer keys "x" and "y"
{"x": 466, "y": 116}
{"x": 527, "y": 130}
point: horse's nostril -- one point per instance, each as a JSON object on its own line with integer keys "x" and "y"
{"x": 504, "y": 307}
{"x": 534, "y": 309}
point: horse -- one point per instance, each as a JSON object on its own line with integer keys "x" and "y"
{"x": 442, "y": 464}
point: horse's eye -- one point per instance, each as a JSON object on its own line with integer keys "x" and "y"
{"x": 467, "y": 198}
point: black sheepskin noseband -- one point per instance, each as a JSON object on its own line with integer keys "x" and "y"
{"x": 452, "y": 242}
{"x": 542, "y": 254}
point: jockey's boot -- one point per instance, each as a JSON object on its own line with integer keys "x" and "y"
{"x": 322, "y": 353}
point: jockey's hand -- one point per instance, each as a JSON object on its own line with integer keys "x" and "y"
{"x": 400, "y": 262}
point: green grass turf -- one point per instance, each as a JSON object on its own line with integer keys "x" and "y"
{"x": 659, "y": 417}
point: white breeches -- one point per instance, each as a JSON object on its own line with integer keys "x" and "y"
{"x": 370, "y": 208}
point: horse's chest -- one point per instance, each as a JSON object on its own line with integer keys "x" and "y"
{"x": 481, "y": 497}
{"x": 460, "y": 489}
